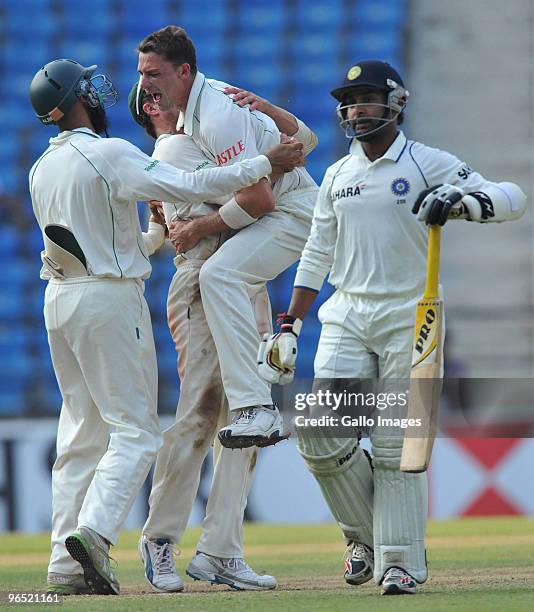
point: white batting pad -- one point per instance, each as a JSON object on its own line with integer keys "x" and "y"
{"x": 400, "y": 512}
{"x": 345, "y": 477}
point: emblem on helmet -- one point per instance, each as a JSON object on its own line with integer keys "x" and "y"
{"x": 354, "y": 73}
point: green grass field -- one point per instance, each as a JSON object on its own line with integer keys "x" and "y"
{"x": 474, "y": 565}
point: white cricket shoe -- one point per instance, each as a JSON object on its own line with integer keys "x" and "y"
{"x": 398, "y": 582}
{"x": 254, "y": 426}
{"x": 359, "y": 564}
{"x": 235, "y": 572}
{"x": 158, "y": 559}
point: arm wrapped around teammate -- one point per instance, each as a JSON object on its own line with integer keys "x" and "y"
{"x": 278, "y": 353}
{"x": 495, "y": 202}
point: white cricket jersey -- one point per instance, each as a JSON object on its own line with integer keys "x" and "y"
{"x": 91, "y": 185}
{"x": 227, "y": 132}
{"x": 364, "y": 232}
{"x": 181, "y": 151}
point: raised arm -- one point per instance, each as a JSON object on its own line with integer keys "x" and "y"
{"x": 285, "y": 121}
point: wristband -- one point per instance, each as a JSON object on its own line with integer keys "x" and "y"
{"x": 154, "y": 239}
{"x": 234, "y": 216}
{"x": 289, "y": 321}
{"x": 305, "y": 136}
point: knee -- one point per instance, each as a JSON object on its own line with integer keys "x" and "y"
{"x": 150, "y": 443}
{"x": 210, "y": 275}
{"x": 326, "y": 456}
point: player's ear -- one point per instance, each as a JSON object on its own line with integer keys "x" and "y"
{"x": 184, "y": 70}
{"x": 150, "y": 108}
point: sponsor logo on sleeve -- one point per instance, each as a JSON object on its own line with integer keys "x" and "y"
{"x": 152, "y": 165}
{"x": 202, "y": 165}
{"x": 464, "y": 172}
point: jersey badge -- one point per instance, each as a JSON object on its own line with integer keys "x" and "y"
{"x": 400, "y": 186}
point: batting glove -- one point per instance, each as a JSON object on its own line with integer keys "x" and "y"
{"x": 436, "y": 204}
{"x": 278, "y": 353}
{"x": 479, "y": 206}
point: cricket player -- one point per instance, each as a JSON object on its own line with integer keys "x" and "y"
{"x": 202, "y": 404}
{"x": 273, "y": 231}
{"x": 366, "y": 238}
{"x": 84, "y": 190}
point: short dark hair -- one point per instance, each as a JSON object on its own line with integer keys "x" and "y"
{"x": 173, "y": 44}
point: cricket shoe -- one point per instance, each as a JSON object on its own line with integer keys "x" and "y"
{"x": 398, "y": 582}
{"x": 254, "y": 426}
{"x": 92, "y": 553}
{"x": 66, "y": 584}
{"x": 235, "y": 572}
{"x": 359, "y": 564}
{"x": 158, "y": 559}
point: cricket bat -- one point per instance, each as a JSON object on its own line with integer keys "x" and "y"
{"x": 425, "y": 379}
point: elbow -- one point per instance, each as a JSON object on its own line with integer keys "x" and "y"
{"x": 521, "y": 200}
{"x": 314, "y": 141}
{"x": 516, "y": 198}
{"x": 257, "y": 200}
{"x": 266, "y": 205}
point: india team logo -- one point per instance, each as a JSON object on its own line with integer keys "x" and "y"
{"x": 400, "y": 186}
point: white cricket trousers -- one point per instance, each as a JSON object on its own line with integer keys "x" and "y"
{"x": 102, "y": 349}
{"x": 371, "y": 338}
{"x": 235, "y": 273}
{"x": 202, "y": 410}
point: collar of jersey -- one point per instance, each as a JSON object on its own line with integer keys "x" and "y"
{"x": 66, "y": 134}
{"x": 393, "y": 153}
{"x": 162, "y": 137}
{"x": 192, "y": 103}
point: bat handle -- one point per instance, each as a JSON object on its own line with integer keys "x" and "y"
{"x": 432, "y": 274}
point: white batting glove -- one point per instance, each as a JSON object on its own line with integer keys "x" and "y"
{"x": 434, "y": 205}
{"x": 277, "y": 354}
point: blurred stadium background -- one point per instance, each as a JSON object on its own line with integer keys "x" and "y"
{"x": 470, "y": 71}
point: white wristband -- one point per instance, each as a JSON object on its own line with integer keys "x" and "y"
{"x": 154, "y": 238}
{"x": 305, "y": 136}
{"x": 234, "y": 216}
